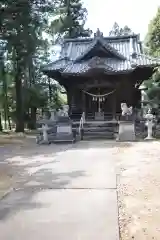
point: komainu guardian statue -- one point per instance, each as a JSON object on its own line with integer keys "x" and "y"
{"x": 126, "y": 111}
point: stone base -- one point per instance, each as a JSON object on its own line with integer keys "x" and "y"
{"x": 99, "y": 116}
{"x": 149, "y": 138}
{"x": 126, "y": 131}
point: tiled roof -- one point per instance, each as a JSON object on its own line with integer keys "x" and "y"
{"x": 58, "y": 65}
{"x": 109, "y": 65}
{"x": 126, "y": 51}
{"x": 73, "y": 48}
{"x": 107, "y": 46}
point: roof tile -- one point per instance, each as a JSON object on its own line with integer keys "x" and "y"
{"x": 127, "y": 46}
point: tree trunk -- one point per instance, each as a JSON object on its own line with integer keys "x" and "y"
{"x": 1, "y": 128}
{"x": 32, "y": 124}
{"x": 19, "y": 101}
{"x": 9, "y": 123}
{"x": 18, "y": 66}
{"x": 50, "y": 90}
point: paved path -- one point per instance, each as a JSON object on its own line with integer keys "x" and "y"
{"x": 71, "y": 196}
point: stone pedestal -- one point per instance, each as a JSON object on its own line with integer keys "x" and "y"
{"x": 126, "y": 131}
{"x": 44, "y": 138}
{"x": 64, "y": 132}
{"x": 150, "y": 130}
{"x": 99, "y": 116}
{"x": 53, "y": 115}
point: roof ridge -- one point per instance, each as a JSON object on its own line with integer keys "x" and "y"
{"x": 113, "y": 49}
{"x": 83, "y": 39}
{"x": 92, "y": 44}
{"x": 106, "y": 45}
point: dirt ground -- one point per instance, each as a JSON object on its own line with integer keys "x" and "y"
{"x": 138, "y": 177}
{"x": 8, "y": 143}
{"x": 17, "y": 157}
{"x": 139, "y": 190}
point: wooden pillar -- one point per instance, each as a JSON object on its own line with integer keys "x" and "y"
{"x": 137, "y": 98}
{"x": 114, "y": 103}
{"x": 70, "y": 98}
{"x": 83, "y": 102}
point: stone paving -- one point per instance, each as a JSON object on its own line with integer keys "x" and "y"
{"x": 62, "y": 192}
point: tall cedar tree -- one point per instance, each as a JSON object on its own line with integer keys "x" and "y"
{"x": 117, "y": 31}
{"x": 21, "y": 22}
{"x": 71, "y": 20}
{"x": 153, "y": 45}
{"x": 153, "y": 37}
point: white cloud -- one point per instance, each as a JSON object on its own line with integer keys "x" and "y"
{"x": 134, "y": 13}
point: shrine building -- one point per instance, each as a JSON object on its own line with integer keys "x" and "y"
{"x": 100, "y": 73}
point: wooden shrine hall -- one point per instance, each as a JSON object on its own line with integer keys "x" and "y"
{"x": 100, "y": 73}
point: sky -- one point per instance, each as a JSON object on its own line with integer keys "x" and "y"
{"x": 135, "y": 13}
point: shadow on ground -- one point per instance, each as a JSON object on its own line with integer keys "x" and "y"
{"x": 33, "y": 168}
{"x": 29, "y": 154}
{"x": 22, "y": 199}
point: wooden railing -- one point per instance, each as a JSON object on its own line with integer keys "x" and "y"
{"x": 77, "y": 117}
{"x": 107, "y": 116}
{"x": 81, "y": 122}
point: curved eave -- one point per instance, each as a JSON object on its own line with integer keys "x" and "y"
{"x": 56, "y": 66}
{"x": 56, "y": 74}
{"x": 142, "y": 71}
{"x": 143, "y": 60}
{"x": 152, "y": 66}
{"x": 92, "y": 72}
{"x": 54, "y": 71}
{"x": 147, "y": 67}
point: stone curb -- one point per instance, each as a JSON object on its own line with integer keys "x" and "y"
{"x": 6, "y": 193}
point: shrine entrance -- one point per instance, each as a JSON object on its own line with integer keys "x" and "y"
{"x": 98, "y": 102}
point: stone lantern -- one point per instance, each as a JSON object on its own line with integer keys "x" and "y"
{"x": 149, "y": 123}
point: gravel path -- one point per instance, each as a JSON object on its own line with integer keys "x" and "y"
{"x": 139, "y": 191}
{"x": 137, "y": 167}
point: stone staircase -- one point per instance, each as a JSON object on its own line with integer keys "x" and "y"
{"x": 99, "y": 130}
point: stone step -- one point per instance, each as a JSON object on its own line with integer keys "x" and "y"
{"x": 96, "y": 133}
{"x": 98, "y": 137}
{"x": 96, "y": 130}
{"x": 99, "y": 131}
{"x": 105, "y": 128}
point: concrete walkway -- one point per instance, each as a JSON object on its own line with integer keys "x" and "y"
{"x": 71, "y": 196}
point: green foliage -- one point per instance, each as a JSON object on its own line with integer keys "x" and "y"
{"x": 153, "y": 87}
{"x": 24, "y": 88}
{"x": 117, "y": 31}
{"x": 70, "y": 21}
{"x": 152, "y": 42}
{"x": 22, "y": 23}
{"x": 153, "y": 37}
{"x": 35, "y": 97}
